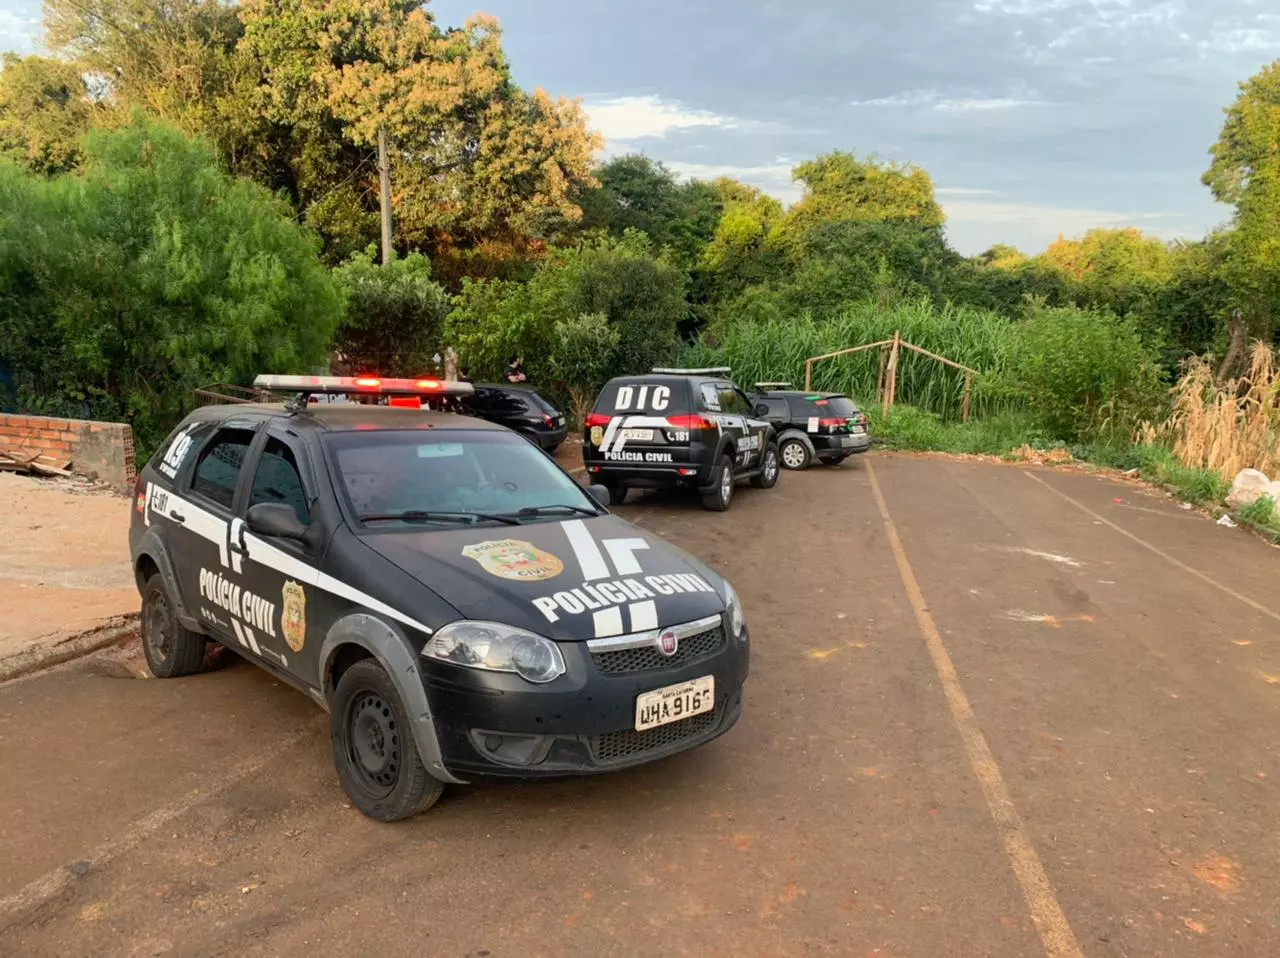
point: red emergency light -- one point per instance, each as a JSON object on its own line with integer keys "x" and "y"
{"x": 365, "y": 385}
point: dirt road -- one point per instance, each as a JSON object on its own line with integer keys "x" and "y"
{"x": 992, "y": 711}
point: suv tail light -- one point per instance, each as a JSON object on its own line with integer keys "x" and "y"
{"x": 140, "y": 493}
{"x": 835, "y": 425}
{"x": 690, "y": 422}
{"x": 598, "y": 419}
{"x": 549, "y": 420}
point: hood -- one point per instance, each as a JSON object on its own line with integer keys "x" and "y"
{"x": 575, "y": 579}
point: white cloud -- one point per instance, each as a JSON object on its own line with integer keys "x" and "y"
{"x": 1243, "y": 40}
{"x": 17, "y": 32}
{"x": 936, "y": 101}
{"x": 964, "y": 191}
{"x": 973, "y": 222}
{"x": 774, "y": 178}
{"x": 639, "y": 117}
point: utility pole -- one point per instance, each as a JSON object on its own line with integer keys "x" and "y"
{"x": 384, "y": 194}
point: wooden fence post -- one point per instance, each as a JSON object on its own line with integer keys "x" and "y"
{"x": 884, "y": 355}
{"x": 892, "y": 389}
{"x": 968, "y": 385}
{"x": 808, "y": 375}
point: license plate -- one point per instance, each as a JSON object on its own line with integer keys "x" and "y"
{"x": 858, "y": 430}
{"x": 675, "y": 703}
{"x": 645, "y": 435}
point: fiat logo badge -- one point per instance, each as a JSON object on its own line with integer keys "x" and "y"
{"x": 668, "y": 643}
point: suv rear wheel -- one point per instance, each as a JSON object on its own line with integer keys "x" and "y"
{"x": 171, "y": 649}
{"x": 721, "y": 494}
{"x": 373, "y": 748}
{"x": 795, "y": 454}
{"x": 769, "y": 470}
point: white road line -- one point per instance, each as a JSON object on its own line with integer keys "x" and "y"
{"x": 54, "y": 883}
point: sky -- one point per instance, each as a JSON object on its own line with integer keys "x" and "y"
{"x": 1035, "y": 118}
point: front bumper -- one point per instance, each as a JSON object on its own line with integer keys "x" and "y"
{"x": 496, "y": 725}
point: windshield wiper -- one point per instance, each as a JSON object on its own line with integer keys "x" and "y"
{"x": 419, "y": 515}
{"x": 539, "y": 510}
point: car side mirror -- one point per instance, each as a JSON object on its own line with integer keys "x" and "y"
{"x": 762, "y": 410}
{"x": 275, "y": 519}
{"x": 600, "y": 494}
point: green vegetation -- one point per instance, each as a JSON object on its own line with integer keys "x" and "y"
{"x": 139, "y": 258}
{"x": 1262, "y": 517}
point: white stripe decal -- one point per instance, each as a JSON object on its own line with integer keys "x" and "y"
{"x": 208, "y": 526}
{"x": 610, "y": 431}
{"x": 608, "y": 622}
{"x": 585, "y": 549}
{"x": 644, "y": 616}
{"x": 621, "y": 552}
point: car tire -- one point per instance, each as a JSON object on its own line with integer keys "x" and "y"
{"x": 171, "y": 649}
{"x": 373, "y": 747}
{"x": 769, "y": 468}
{"x": 795, "y": 454}
{"x": 721, "y": 495}
{"x": 617, "y": 493}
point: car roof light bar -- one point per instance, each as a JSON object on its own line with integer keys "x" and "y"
{"x": 306, "y": 386}
{"x": 669, "y": 371}
{"x": 777, "y": 385}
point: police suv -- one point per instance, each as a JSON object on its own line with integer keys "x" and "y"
{"x": 690, "y": 427}
{"x": 460, "y": 606}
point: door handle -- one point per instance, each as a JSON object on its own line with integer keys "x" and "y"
{"x": 177, "y": 517}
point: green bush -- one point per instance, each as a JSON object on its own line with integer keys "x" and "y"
{"x": 395, "y": 314}
{"x": 583, "y": 350}
{"x": 148, "y": 273}
{"x": 1086, "y": 374}
{"x": 911, "y": 429}
{"x": 1158, "y": 464}
{"x": 642, "y": 297}
{"x": 1261, "y": 516}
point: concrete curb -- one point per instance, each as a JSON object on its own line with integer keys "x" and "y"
{"x": 34, "y": 658}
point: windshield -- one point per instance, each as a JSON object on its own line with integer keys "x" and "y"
{"x": 829, "y": 407}
{"x": 449, "y": 477}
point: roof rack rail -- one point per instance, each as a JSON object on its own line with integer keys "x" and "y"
{"x": 772, "y": 385}
{"x": 670, "y": 371}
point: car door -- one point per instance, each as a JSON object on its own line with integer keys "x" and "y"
{"x": 203, "y": 510}
{"x": 279, "y": 616}
{"x": 734, "y": 409}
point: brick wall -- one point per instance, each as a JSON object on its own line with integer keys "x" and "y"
{"x": 99, "y": 450}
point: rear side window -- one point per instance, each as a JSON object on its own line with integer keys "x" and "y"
{"x": 643, "y": 398}
{"x": 278, "y": 480}
{"x": 833, "y": 407}
{"x": 219, "y": 467}
{"x": 772, "y": 408}
{"x": 732, "y": 401}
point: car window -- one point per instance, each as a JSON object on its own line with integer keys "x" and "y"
{"x": 278, "y": 480}
{"x": 732, "y": 401}
{"x": 773, "y": 408}
{"x": 710, "y": 397}
{"x": 507, "y": 404}
{"x": 387, "y": 472}
{"x": 219, "y": 467}
{"x": 824, "y": 407}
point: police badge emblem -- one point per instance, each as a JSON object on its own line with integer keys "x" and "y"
{"x": 293, "y": 618}
{"x": 597, "y": 435}
{"x": 514, "y": 559}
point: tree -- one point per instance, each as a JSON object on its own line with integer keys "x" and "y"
{"x": 44, "y": 110}
{"x": 148, "y": 273}
{"x": 839, "y": 186}
{"x": 636, "y": 192}
{"x": 1245, "y": 172}
{"x": 1001, "y": 256}
{"x": 582, "y": 354}
{"x": 643, "y": 298}
{"x": 737, "y": 255}
{"x": 395, "y": 314}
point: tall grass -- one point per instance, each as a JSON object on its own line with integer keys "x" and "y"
{"x": 777, "y": 349}
{"x": 1229, "y": 427}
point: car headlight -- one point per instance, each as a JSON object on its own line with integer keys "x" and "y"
{"x": 497, "y": 648}
{"x": 737, "y": 621}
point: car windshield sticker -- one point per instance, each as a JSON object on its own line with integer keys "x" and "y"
{"x": 177, "y": 451}
{"x": 440, "y": 450}
{"x": 293, "y": 620}
{"x": 640, "y": 398}
{"x": 710, "y": 397}
{"x": 813, "y": 424}
{"x": 514, "y": 559}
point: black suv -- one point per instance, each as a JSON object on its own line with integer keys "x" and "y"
{"x": 461, "y": 607}
{"x": 689, "y": 427}
{"x": 827, "y": 427}
{"x": 521, "y": 408}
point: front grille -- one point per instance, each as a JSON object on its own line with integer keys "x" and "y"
{"x": 647, "y": 658}
{"x": 618, "y": 745}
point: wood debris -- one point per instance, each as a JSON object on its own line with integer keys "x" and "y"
{"x": 33, "y": 461}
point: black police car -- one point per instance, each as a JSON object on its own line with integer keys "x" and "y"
{"x": 517, "y": 407}
{"x": 689, "y": 427}
{"x": 461, "y": 606}
{"x": 826, "y": 427}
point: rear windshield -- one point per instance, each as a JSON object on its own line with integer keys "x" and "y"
{"x": 643, "y": 398}
{"x": 826, "y": 407}
{"x": 538, "y": 403}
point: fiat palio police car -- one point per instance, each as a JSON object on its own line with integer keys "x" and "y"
{"x": 459, "y": 605}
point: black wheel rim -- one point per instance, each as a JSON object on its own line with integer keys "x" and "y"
{"x": 158, "y": 629}
{"x": 373, "y": 742}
